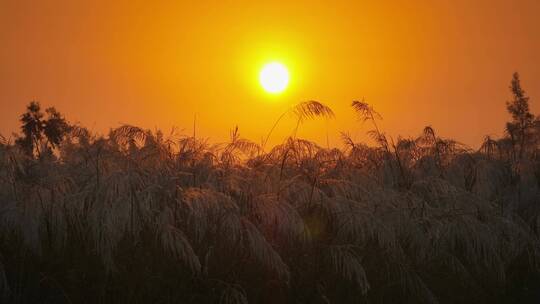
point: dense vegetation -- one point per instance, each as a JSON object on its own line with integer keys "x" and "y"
{"x": 140, "y": 217}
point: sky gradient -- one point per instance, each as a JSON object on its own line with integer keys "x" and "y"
{"x": 447, "y": 64}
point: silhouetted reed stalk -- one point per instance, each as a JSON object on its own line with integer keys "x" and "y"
{"x": 303, "y": 111}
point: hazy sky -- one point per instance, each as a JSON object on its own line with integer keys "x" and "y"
{"x": 158, "y": 63}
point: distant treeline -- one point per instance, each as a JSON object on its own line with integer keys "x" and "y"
{"x": 139, "y": 216}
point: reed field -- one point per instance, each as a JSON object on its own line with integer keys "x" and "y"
{"x": 141, "y": 216}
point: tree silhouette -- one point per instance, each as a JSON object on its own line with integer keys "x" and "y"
{"x": 55, "y": 127}
{"x": 35, "y": 129}
{"x": 31, "y": 128}
{"x": 522, "y": 119}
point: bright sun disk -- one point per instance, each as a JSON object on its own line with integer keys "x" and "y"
{"x": 274, "y": 77}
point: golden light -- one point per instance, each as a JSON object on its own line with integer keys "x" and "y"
{"x": 274, "y": 77}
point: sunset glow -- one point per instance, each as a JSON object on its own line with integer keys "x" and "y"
{"x": 157, "y": 64}
{"x": 243, "y": 152}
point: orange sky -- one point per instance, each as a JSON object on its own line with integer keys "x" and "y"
{"x": 102, "y": 63}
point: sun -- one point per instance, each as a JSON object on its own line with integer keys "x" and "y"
{"x": 274, "y": 77}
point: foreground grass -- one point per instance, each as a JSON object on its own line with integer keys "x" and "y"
{"x": 139, "y": 217}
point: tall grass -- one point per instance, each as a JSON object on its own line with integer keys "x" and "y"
{"x": 142, "y": 217}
